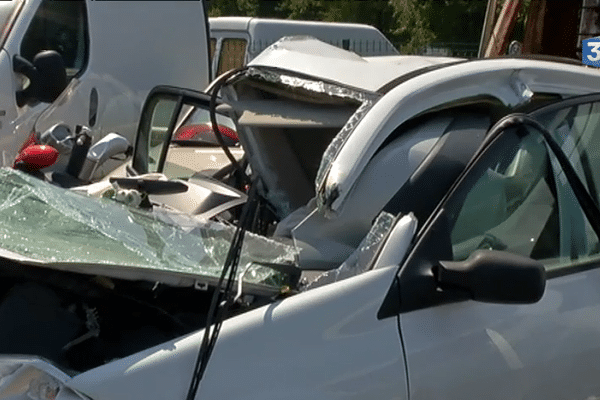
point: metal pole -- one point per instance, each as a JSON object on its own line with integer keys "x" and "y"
{"x": 488, "y": 25}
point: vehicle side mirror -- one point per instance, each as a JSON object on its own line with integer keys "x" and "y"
{"x": 47, "y": 77}
{"x": 494, "y": 277}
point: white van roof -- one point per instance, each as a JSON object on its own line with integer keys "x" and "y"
{"x": 362, "y": 39}
{"x": 241, "y": 23}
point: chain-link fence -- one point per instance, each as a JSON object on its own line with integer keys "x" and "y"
{"x": 450, "y": 49}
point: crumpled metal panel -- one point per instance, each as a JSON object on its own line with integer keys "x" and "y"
{"x": 309, "y": 84}
{"x": 334, "y": 148}
{"x": 366, "y": 100}
{"x": 53, "y": 225}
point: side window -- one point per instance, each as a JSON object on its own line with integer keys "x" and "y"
{"x": 159, "y": 126}
{"x": 194, "y": 131}
{"x": 151, "y": 139}
{"x": 61, "y": 26}
{"x": 175, "y": 150}
{"x": 577, "y": 129}
{"x": 518, "y": 200}
{"x": 233, "y": 54}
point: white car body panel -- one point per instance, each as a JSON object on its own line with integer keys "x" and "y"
{"x": 122, "y": 71}
{"x": 509, "y": 81}
{"x": 547, "y": 350}
{"x": 325, "y": 343}
{"x": 301, "y": 347}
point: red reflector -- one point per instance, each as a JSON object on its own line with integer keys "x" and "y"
{"x": 30, "y": 141}
{"x": 205, "y": 133}
{"x": 36, "y": 157}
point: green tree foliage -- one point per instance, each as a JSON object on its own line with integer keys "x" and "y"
{"x": 311, "y": 10}
{"x": 409, "y": 24}
{"x": 421, "y": 22}
{"x": 221, "y": 8}
{"x": 413, "y": 20}
{"x": 246, "y": 8}
{"x": 458, "y": 20}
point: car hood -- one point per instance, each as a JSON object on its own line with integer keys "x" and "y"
{"x": 47, "y": 226}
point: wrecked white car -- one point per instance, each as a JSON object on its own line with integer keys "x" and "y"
{"x": 446, "y": 250}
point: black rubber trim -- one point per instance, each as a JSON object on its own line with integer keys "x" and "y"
{"x": 170, "y": 129}
{"x": 413, "y": 74}
{"x": 391, "y": 302}
{"x": 559, "y": 105}
{"x": 417, "y": 282}
{"x": 538, "y": 57}
{"x": 583, "y": 266}
{"x": 86, "y": 62}
{"x": 422, "y": 192}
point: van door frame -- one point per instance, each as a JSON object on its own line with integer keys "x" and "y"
{"x": 219, "y": 35}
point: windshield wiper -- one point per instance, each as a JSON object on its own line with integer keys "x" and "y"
{"x": 150, "y": 186}
{"x": 223, "y": 298}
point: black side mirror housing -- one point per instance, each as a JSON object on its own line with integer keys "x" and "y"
{"x": 47, "y": 75}
{"x": 494, "y": 277}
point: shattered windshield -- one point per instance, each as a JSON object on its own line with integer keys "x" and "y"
{"x": 52, "y": 225}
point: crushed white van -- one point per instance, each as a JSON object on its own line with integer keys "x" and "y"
{"x": 235, "y": 41}
{"x": 92, "y": 63}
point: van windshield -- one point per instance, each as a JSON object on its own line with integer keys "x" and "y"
{"x": 8, "y": 12}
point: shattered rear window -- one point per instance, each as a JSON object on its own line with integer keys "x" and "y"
{"x": 54, "y": 225}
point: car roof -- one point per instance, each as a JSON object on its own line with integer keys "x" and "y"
{"x": 312, "y": 57}
{"x": 403, "y": 87}
{"x": 510, "y": 82}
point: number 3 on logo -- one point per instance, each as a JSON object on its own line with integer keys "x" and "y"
{"x": 590, "y": 51}
{"x": 595, "y": 50}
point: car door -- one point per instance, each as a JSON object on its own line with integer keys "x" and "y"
{"x": 515, "y": 198}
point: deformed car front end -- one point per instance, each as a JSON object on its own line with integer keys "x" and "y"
{"x": 348, "y": 160}
{"x": 86, "y": 281}
{"x": 109, "y": 295}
